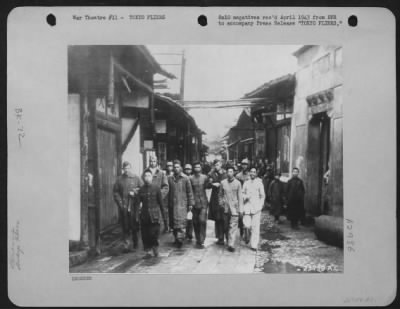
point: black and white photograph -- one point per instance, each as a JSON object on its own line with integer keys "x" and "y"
{"x": 205, "y": 159}
{"x": 201, "y": 156}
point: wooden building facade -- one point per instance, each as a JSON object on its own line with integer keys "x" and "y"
{"x": 240, "y": 138}
{"x": 271, "y": 115}
{"x": 317, "y": 128}
{"x": 176, "y": 133}
{"x": 110, "y": 88}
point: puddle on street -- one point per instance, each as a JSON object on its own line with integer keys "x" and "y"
{"x": 268, "y": 235}
{"x": 279, "y": 267}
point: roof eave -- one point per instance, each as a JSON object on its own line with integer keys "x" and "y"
{"x": 269, "y": 84}
{"x": 301, "y": 50}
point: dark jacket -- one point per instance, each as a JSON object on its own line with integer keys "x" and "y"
{"x": 277, "y": 196}
{"x": 125, "y": 184}
{"x": 215, "y": 212}
{"x": 199, "y": 185}
{"x": 152, "y": 203}
{"x": 179, "y": 199}
{"x": 295, "y": 198}
{"x": 160, "y": 179}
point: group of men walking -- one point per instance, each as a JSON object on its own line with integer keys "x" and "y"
{"x": 177, "y": 199}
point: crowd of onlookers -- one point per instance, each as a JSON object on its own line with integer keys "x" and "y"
{"x": 177, "y": 199}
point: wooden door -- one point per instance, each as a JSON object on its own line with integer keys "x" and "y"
{"x": 108, "y": 164}
{"x": 324, "y": 163}
{"x": 313, "y": 187}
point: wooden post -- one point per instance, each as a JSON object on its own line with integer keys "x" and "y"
{"x": 182, "y": 86}
{"x": 84, "y": 168}
{"x": 84, "y": 160}
{"x": 110, "y": 96}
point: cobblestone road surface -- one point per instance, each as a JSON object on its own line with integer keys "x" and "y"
{"x": 281, "y": 250}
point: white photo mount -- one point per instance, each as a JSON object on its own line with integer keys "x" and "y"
{"x": 39, "y": 153}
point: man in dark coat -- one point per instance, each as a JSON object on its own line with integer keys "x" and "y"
{"x": 189, "y": 223}
{"x": 216, "y": 213}
{"x": 295, "y": 199}
{"x": 160, "y": 180}
{"x": 180, "y": 201}
{"x": 125, "y": 192}
{"x": 276, "y": 195}
{"x": 267, "y": 179}
{"x": 199, "y": 183}
{"x": 243, "y": 176}
{"x": 151, "y": 200}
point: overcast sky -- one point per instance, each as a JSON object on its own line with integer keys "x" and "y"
{"x": 223, "y": 72}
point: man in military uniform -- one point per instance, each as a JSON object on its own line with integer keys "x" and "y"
{"x": 125, "y": 193}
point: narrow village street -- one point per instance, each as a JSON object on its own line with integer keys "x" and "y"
{"x": 146, "y": 113}
{"x": 281, "y": 250}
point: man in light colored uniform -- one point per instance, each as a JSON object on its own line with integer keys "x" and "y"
{"x": 253, "y": 195}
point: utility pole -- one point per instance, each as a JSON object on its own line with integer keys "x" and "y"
{"x": 182, "y": 90}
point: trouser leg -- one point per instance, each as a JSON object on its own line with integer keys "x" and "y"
{"x": 179, "y": 235}
{"x": 246, "y": 227}
{"x": 166, "y": 213}
{"x": 255, "y": 230}
{"x": 124, "y": 220}
{"x": 145, "y": 230}
{"x": 135, "y": 237}
{"x": 171, "y": 217}
{"x": 154, "y": 234}
{"x": 241, "y": 227}
{"x": 220, "y": 230}
{"x": 196, "y": 224}
{"x": 233, "y": 229}
{"x": 227, "y": 218}
{"x": 189, "y": 229}
{"x": 202, "y": 225}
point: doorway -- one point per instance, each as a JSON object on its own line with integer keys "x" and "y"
{"x": 318, "y": 163}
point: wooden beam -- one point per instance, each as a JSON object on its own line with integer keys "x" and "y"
{"x": 224, "y": 103}
{"x": 130, "y": 135}
{"x": 136, "y": 80}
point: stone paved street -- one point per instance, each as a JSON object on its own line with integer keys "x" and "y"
{"x": 281, "y": 250}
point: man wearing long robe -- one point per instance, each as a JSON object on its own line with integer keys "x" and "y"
{"x": 276, "y": 196}
{"x": 199, "y": 183}
{"x": 180, "y": 201}
{"x": 216, "y": 175}
{"x": 295, "y": 199}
